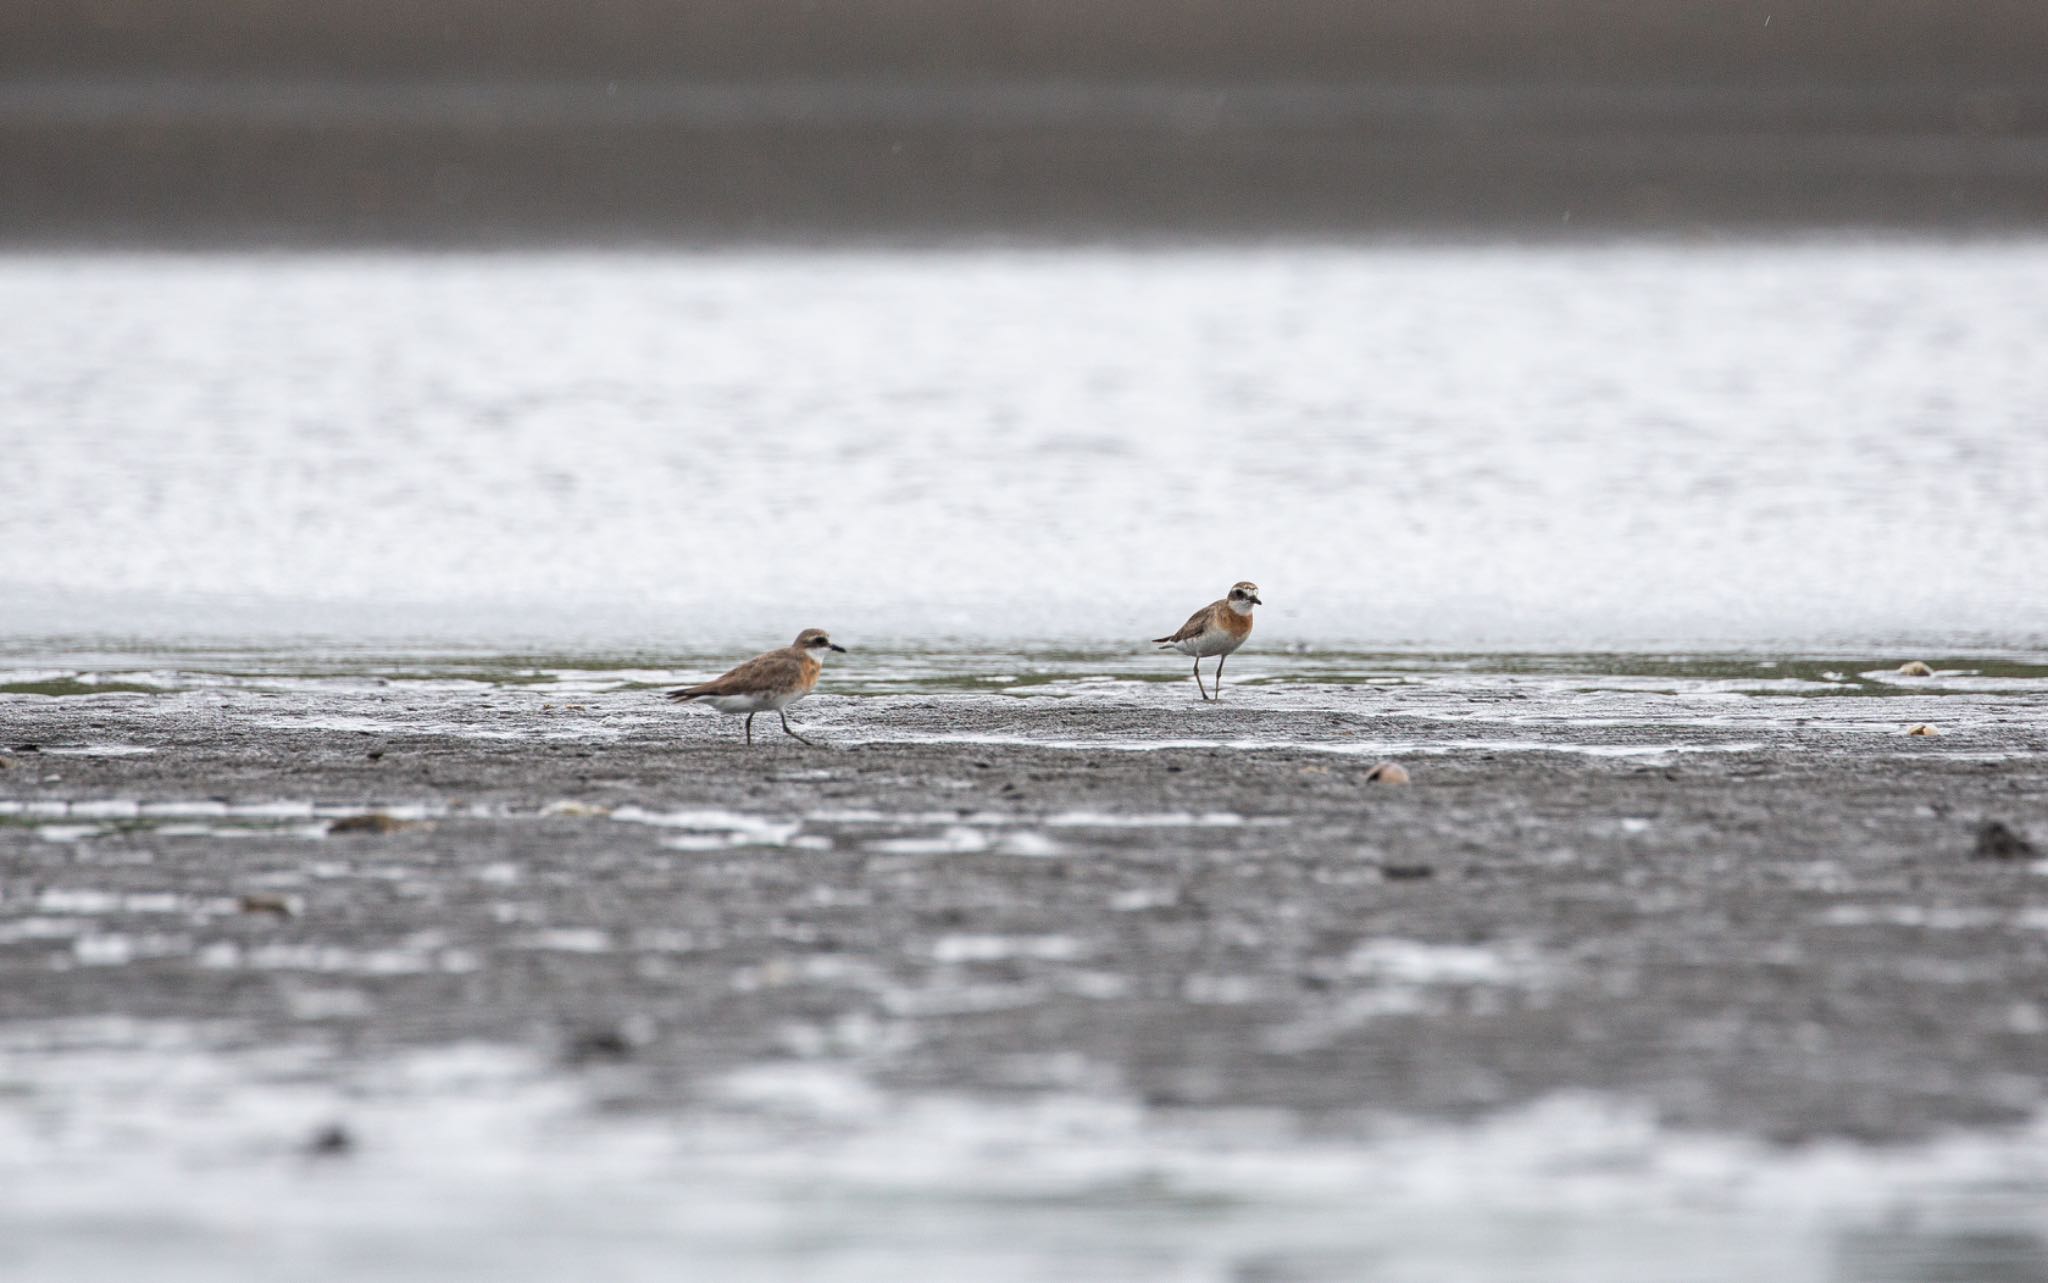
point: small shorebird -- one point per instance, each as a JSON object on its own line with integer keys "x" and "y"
{"x": 774, "y": 680}
{"x": 1216, "y": 629}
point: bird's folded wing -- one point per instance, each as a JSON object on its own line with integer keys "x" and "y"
{"x": 773, "y": 671}
{"x": 1198, "y": 623}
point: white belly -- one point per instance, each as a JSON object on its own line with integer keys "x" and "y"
{"x": 1213, "y": 642}
{"x": 757, "y": 702}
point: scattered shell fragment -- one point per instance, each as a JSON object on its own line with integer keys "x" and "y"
{"x": 372, "y": 822}
{"x": 577, "y": 810}
{"x": 1915, "y": 668}
{"x": 1997, "y": 840}
{"x": 282, "y": 906}
{"x": 1921, "y": 728}
{"x": 1387, "y": 773}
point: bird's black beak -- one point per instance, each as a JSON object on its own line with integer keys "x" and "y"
{"x": 1257, "y": 602}
{"x": 840, "y": 649}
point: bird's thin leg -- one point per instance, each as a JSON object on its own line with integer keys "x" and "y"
{"x": 1198, "y": 678}
{"x": 1219, "y": 675}
{"x": 792, "y": 734}
{"x": 750, "y": 730}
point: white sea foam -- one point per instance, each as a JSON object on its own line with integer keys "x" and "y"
{"x": 1159, "y": 820}
{"x": 731, "y": 827}
{"x": 1936, "y": 917}
{"x": 956, "y": 840}
{"x": 1026, "y": 842}
{"x": 481, "y": 1160}
{"x": 66, "y": 832}
{"x": 569, "y": 940}
{"x": 1415, "y": 962}
{"x": 998, "y": 948}
{"x": 1375, "y": 748}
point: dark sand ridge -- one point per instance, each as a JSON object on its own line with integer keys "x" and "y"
{"x": 1789, "y": 940}
{"x": 634, "y": 122}
{"x": 1615, "y": 41}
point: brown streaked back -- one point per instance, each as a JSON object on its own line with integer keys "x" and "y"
{"x": 785, "y": 669}
{"x": 1201, "y": 622}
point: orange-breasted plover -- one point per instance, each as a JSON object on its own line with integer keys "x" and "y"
{"x": 1216, "y": 629}
{"x": 774, "y": 680}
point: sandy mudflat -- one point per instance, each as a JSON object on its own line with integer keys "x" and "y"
{"x": 1779, "y": 933}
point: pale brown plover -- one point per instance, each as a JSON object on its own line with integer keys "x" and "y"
{"x": 774, "y": 680}
{"x": 1216, "y": 629}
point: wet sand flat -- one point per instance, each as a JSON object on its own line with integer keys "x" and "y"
{"x": 1779, "y": 932}
{"x": 1046, "y": 954}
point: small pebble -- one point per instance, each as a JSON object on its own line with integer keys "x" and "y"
{"x": 1387, "y": 773}
{"x": 373, "y": 822}
{"x": 268, "y": 902}
{"x": 331, "y": 1141}
{"x": 599, "y": 1044}
{"x": 1921, "y": 728}
{"x": 1998, "y": 841}
{"x": 1915, "y": 668}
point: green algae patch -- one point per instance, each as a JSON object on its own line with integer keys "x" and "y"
{"x": 65, "y": 686}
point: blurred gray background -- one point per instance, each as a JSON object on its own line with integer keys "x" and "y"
{"x": 468, "y": 122}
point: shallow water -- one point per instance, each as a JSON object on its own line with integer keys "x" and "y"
{"x": 1379, "y": 703}
{"x": 475, "y": 1159}
{"x": 1794, "y": 443}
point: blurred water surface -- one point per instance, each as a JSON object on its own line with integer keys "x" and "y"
{"x": 1797, "y": 442}
{"x": 481, "y": 1163}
